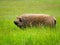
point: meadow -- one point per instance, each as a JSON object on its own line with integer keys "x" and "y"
{"x": 10, "y": 34}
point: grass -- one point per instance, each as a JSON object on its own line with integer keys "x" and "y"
{"x": 10, "y": 34}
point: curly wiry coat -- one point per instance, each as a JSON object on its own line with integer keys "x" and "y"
{"x": 35, "y": 20}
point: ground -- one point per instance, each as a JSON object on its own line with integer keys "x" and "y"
{"x": 10, "y": 34}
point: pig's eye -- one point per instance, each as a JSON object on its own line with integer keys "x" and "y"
{"x": 20, "y": 20}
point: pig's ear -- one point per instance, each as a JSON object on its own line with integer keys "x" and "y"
{"x": 20, "y": 19}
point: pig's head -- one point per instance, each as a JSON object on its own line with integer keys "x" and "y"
{"x": 19, "y": 23}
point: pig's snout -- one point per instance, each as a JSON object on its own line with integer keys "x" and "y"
{"x": 16, "y": 22}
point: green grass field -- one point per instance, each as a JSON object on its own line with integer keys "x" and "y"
{"x": 10, "y": 34}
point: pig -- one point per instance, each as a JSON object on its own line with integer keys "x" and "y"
{"x": 29, "y": 20}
